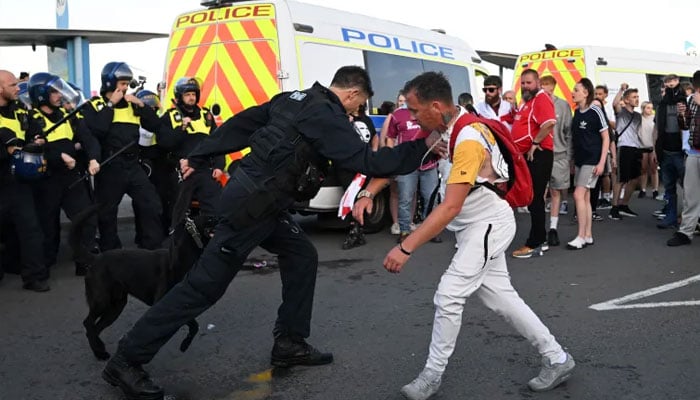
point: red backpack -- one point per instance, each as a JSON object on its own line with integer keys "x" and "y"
{"x": 517, "y": 191}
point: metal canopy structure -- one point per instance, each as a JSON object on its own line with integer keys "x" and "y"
{"x": 59, "y": 37}
{"x": 503, "y": 60}
{"x": 69, "y": 49}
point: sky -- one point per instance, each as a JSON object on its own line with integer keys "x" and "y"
{"x": 506, "y": 26}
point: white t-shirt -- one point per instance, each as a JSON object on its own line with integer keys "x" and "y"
{"x": 486, "y": 111}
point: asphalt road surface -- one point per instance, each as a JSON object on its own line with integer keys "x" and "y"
{"x": 378, "y": 325}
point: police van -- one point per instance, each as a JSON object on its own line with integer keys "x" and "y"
{"x": 643, "y": 70}
{"x": 245, "y": 52}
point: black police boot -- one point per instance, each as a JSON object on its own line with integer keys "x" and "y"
{"x": 131, "y": 379}
{"x": 289, "y": 351}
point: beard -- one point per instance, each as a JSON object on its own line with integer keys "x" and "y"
{"x": 493, "y": 101}
{"x": 526, "y": 95}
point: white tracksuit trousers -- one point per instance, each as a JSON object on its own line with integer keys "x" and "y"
{"x": 479, "y": 266}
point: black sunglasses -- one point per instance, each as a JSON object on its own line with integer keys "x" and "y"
{"x": 489, "y": 89}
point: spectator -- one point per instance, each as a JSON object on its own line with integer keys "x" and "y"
{"x": 561, "y": 171}
{"x": 629, "y": 157}
{"x": 532, "y": 134}
{"x": 386, "y": 108}
{"x": 23, "y": 76}
{"x": 605, "y": 202}
{"x": 404, "y": 128}
{"x": 393, "y": 186}
{"x": 492, "y": 107}
{"x": 691, "y": 180}
{"x": 590, "y": 140}
{"x": 509, "y": 96}
{"x": 669, "y": 149}
{"x": 465, "y": 98}
{"x": 649, "y": 164}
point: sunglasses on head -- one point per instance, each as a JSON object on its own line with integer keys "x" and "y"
{"x": 490, "y": 89}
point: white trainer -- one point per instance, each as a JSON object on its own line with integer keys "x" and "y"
{"x": 425, "y": 385}
{"x": 395, "y": 229}
{"x": 552, "y": 375}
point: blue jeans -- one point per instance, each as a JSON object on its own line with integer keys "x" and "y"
{"x": 672, "y": 172}
{"x": 408, "y": 184}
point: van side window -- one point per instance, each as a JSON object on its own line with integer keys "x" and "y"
{"x": 389, "y": 73}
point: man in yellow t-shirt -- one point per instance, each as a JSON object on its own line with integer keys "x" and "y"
{"x": 484, "y": 226}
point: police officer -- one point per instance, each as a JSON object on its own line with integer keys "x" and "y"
{"x": 56, "y": 190}
{"x": 158, "y": 163}
{"x": 114, "y": 119}
{"x": 16, "y": 199}
{"x": 182, "y": 128}
{"x": 293, "y": 136}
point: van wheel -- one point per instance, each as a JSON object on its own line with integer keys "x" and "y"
{"x": 380, "y": 216}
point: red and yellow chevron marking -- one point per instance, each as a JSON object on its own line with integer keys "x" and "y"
{"x": 236, "y": 58}
{"x": 566, "y": 67}
{"x": 233, "y": 51}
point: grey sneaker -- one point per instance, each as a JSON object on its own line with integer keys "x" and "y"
{"x": 425, "y": 385}
{"x": 551, "y": 376}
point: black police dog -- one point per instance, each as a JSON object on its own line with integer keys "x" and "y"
{"x": 144, "y": 274}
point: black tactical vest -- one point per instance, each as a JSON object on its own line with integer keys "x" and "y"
{"x": 295, "y": 168}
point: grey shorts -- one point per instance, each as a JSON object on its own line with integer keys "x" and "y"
{"x": 584, "y": 177}
{"x": 560, "y": 179}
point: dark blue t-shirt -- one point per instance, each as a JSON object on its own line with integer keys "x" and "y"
{"x": 586, "y": 127}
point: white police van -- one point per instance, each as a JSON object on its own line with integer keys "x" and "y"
{"x": 247, "y": 51}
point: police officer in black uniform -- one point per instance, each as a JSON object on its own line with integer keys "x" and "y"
{"x": 114, "y": 119}
{"x": 57, "y": 190}
{"x": 182, "y": 128}
{"x": 160, "y": 165}
{"x": 293, "y": 137}
{"x": 16, "y": 198}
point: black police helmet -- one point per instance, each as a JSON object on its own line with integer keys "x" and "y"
{"x": 184, "y": 85}
{"x": 39, "y": 87}
{"x": 149, "y": 98}
{"x": 112, "y": 73}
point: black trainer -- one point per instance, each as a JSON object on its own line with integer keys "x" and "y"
{"x": 131, "y": 379}
{"x": 678, "y": 239}
{"x": 626, "y": 211}
{"x": 615, "y": 214}
{"x": 288, "y": 352}
{"x": 553, "y": 237}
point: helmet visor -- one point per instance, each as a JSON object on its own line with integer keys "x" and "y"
{"x": 68, "y": 94}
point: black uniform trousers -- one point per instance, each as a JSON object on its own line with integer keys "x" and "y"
{"x": 540, "y": 171}
{"x": 53, "y": 194}
{"x": 124, "y": 175}
{"x": 163, "y": 176}
{"x": 207, "y": 191}
{"x": 17, "y": 206}
{"x": 222, "y": 258}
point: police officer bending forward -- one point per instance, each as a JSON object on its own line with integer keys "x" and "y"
{"x": 114, "y": 119}
{"x": 292, "y": 138}
{"x": 182, "y": 128}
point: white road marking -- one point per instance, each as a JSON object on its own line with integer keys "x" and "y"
{"x": 619, "y": 303}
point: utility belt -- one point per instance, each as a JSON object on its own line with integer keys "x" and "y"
{"x": 126, "y": 155}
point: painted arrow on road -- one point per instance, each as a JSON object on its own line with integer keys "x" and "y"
{"x": 620, "y": 303}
